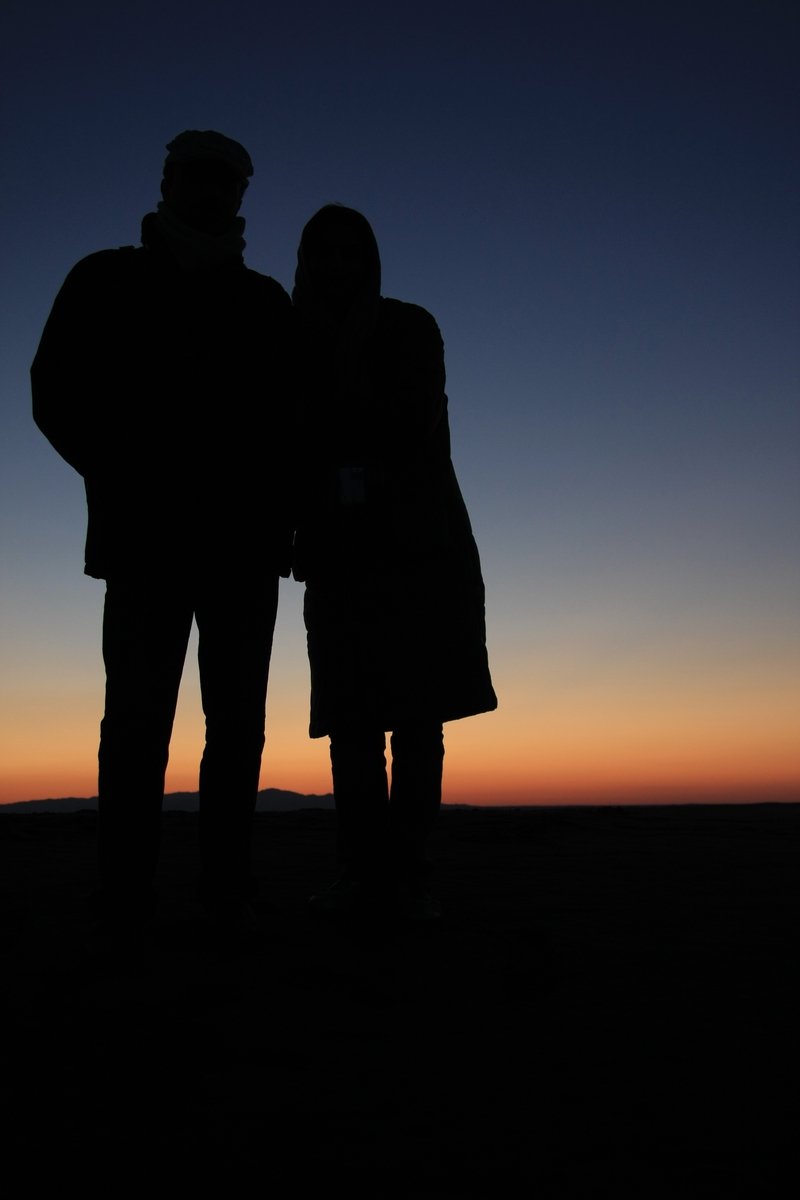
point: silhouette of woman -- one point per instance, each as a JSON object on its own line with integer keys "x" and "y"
{"x": 394, "y": 599}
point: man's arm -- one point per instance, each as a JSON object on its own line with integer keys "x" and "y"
{"x": 70, "y": 363}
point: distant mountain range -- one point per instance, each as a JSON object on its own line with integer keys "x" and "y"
{"x": 270, "y": 800}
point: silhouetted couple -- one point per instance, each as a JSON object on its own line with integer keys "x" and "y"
{"x": 227, "y": 437}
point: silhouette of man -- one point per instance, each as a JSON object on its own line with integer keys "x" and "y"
{"x": 161, "y": 377}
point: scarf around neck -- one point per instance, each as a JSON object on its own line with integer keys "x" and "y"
{"x": 192, "y": 249}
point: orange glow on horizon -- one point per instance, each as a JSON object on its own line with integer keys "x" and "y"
{"x": 487, "y": 786}
{"x": 646, "y": 736}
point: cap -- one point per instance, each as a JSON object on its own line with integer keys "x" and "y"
{"x": 194, "y": 144}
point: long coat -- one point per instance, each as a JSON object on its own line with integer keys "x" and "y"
{"x": 394, "y": 603}
{"x": 167, "y": 390}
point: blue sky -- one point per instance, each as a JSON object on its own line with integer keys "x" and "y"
{"x": 598, "y": 202}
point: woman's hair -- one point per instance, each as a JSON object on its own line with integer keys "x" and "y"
{"x": 327, "y": 218}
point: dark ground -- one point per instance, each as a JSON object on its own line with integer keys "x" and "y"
{"x": 608, "y": 1008}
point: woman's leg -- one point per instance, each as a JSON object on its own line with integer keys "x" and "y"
{"x": 416, "y": 792}
{"x": 361, "y": 795}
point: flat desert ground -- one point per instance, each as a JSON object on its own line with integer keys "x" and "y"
{"x": 608, "y": 1007}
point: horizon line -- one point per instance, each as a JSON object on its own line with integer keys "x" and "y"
{"x": 626, "y": 798}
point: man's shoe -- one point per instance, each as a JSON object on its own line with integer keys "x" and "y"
{"x": 341, "y": 898}
{"x": 350, "y": 895}
{"x": 415, "y": 903}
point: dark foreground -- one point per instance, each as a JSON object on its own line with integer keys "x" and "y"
{"x": 608, "y": 1008}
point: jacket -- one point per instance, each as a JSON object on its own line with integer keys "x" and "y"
{"x": 394, "y": 604}
{"x": 169, "y": 391}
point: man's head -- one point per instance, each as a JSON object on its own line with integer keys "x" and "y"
{"x": 205, "y": 177}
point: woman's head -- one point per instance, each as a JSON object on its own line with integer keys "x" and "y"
{"x": 338, "y": 263}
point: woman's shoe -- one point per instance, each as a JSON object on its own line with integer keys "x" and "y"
{"x": 415, "y": 903}
{"x": 343, "y": 897}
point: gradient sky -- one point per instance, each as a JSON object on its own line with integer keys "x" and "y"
{"x": 598, "y": 202}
